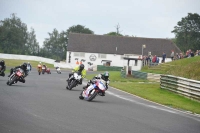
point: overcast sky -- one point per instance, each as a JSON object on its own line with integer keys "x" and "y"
{"x": 141, "y": 18}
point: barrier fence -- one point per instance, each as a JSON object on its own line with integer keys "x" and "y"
{"x": 186, "y": 87}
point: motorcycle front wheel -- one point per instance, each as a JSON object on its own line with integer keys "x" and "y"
{"x": 72, "y": 84}
{"x": 92, "y": 95}
{"x": 12, "y": 80}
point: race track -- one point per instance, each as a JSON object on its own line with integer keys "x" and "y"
{"x": 43, "y": 105}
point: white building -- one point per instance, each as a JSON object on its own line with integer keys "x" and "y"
{"x": 114, "y": 51}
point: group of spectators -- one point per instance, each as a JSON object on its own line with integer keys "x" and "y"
{"x": 155, "y": 59}
{"x": 189, "y": 53}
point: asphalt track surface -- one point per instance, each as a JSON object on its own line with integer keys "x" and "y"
{"x": 43, "y": 105}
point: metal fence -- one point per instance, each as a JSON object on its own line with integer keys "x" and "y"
{"x": 186, "y": 87}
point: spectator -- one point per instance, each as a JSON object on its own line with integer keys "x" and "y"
{"x": 191, "y": 54}
{"x": 154, "y": 59}
{"x": 178, "y": 56}
{"x": 157, "y": 60}
{"x": 172, "y": 55}
{"x": 163, "y": 57}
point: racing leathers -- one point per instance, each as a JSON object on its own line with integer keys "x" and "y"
{"x": 104, "y": 79}
{"x": 79, "y": 71}
{"x": 3, "y": 68}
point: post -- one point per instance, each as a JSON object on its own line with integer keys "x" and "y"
{"x": 143, "y": 46}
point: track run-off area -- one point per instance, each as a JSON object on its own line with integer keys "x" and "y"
{"x": 44, "y": 105}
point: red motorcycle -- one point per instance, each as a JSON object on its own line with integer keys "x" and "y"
{"x": 45, "y": 69}
{"x": 15, "y": 76}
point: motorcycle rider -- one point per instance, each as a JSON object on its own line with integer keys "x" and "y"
{"x": 39, "y": 66}
{"x": 24, "y": 68}
{"x": 79, "y": 69}
{"x": 3, "y": 68}
{"x": 29, "y": 66}
{"x": 103, "y": 76}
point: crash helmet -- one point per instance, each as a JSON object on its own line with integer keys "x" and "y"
{"x": 28, "y": 63}
{"x": 81, "y": 67}
{"x": 106, "y": 75}
{"x": 24, "y": 65}
{"x": 3, "y": 63}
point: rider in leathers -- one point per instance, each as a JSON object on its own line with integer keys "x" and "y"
{"x": 24, "y": 68}
{"x": 3, "y": 68}
{"x": 104, "y": 77}
{"x": 80, "y": 69}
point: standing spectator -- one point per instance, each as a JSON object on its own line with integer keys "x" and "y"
{"x": 157, "y": 60}
{"x": 154, "y": 59}
{"x": 172, "y": 55}
{"x": 163, "y": 57}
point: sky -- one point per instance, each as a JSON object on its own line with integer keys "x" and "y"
{"x": 140, "y": 18}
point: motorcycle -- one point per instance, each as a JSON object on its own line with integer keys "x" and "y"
{"x": 45, "y": 69}
{"x": 48, "y": 71}
{"x": 99, "y": 88}
{"x": 58, "y": 70}
{"x": 15, "y": 76}
{"x": 73, "y": 80}
{"x": 1, "y": 74}
{"x": 39, "y": 69}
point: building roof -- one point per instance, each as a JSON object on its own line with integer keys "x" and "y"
{"x": 90, "y": 43}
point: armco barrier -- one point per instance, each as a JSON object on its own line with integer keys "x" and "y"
{"x": 138, "y": 74}
{"x": 108, "y": 68}
{"x": 183, "y": 86}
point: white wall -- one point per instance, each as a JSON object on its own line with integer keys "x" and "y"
{"x": 117, "y": 60}
{"x": 33, "y": 58}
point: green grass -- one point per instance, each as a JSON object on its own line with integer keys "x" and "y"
{"x": 187, "y": 68}
{"x": 13, "y": 63}
{"x": 151, "y": 91}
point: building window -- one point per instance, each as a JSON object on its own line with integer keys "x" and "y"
{"x": 101, "y": 55}
{"x": 79, "y": 54}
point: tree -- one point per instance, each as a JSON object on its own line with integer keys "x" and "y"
{"x": 32, "y": 44}
{"x": 55, "y": 45}
{"x": 117, "y": 33}
{"x": 13, "y": 35}
{"x": 114, "y": 34}
{"x": 187, "y": 32}
{"x": 79, "y": 29}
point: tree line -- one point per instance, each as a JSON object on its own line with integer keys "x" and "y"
{"x": 16, "y": 39}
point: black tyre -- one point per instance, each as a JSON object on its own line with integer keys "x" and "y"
{"x": 12, "y": 80}
{"x": 72, "y": 84}
{"x": 67, "y": 87}
{"x": 92, "y": 96}
{"x": 81, "y": 95}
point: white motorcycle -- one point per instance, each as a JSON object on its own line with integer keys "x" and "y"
{"x": 58, "y": 70}
{"x": 73, "y": 80}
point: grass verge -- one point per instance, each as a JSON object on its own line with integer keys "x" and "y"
{"x": 151, "y": 91}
